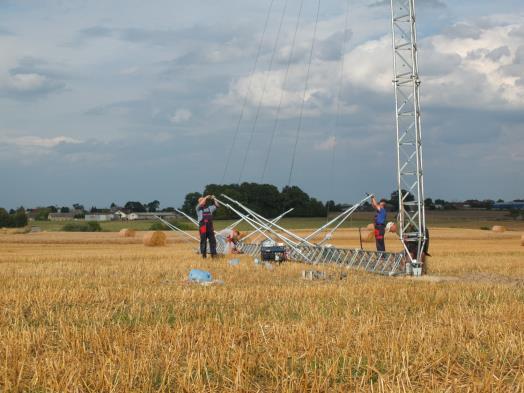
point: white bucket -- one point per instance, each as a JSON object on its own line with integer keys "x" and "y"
{"x": 417, "y": 269}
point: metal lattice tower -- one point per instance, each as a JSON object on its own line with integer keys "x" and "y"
{"x": 412, "y": 218}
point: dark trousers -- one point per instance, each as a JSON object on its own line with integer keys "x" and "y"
{"x": 380, "y": 232}
{"x": 207, "y": 232}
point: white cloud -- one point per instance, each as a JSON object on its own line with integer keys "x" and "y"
{"x": 44, "y": 143}
{"x": 480, "y": 70}
{"x": 326, "y": 145}
{"x": 181, "y": 116}
{"x": 26, "y": 82}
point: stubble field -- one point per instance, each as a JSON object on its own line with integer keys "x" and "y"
{"x": 99, "y": 313}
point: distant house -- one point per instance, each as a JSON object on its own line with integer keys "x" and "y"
{"x": 120, "y": 215}
{"x": 99, "y": 217}
{"x": 151, "y": 216}
{"x": 509, "y": 206}
{"x": 60, "y": 216}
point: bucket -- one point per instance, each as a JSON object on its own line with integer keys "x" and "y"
{"x": 417, "y": 269}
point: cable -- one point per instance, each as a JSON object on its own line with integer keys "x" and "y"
{"x": 306, "y": 86}
{"x": 246, "y": 96}
{"x": 263, "y": 94}
{"x": 282, "y": 92}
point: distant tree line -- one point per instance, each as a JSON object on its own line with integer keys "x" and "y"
{"x": 13, "y": 219}
{"x": 265, "y": 199}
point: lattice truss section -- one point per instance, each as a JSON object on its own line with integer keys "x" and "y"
{"x": 408, "y": 123}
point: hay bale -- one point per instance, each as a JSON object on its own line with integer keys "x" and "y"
{"x": 370, "y": 227}
{"x": 498, "y": 229}
{"x": 126, "y": 232}
{"x": 522, "y": 241}
{"x": 154, "y": 239}
{"x": 368, "y": 236}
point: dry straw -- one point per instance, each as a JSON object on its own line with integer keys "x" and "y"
{"x": 498, "y": 229}
{"x": 155, "y": 239}
{"x": 522, "y": 241}
{"x": 126, "y": 232}
{"x": 371, "y": 227}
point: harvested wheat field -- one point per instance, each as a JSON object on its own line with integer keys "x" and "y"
{"x": 100, "y": 313}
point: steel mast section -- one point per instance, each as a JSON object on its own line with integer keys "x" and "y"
{"x": 412, "y": 217}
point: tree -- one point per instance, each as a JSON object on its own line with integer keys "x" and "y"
{"x": 294, "y": 197}
{"x": 4, "y": 218}
{"x": 78, "y": 207}
{"x": 152, "y": 207}
{"x": 190, "y": 202}
{"x": 394, "y": 200}
{"x": 64, "y": 209}
{"x": 135, "y": 207}
{"x": 428, "y": 203}
{"x": 19, "y": 219}
{"x": 42, "y": 214}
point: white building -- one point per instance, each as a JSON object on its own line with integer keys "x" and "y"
{"x": 151, "y": 216}
{"x": 99, "y": 217}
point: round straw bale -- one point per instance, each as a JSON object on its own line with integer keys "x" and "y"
{"x": 155, "y": 239}
{"x": 126, "y": 232}
{"x": 368, "y": 236}
{"x": 498, "y": 229}
{"x": 522, "y": 241}
{"x": 371, "y": 227}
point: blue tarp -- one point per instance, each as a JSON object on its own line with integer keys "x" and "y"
{"x": 200, "y": 276}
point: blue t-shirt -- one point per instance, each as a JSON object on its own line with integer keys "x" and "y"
{"x": 200, "y": 211}
{"x": 381, "y": 216}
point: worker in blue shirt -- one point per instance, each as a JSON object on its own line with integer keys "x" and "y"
{"x": 206, "y": 207}
{"x": 380, "y": 222}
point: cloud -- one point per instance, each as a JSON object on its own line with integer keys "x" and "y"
{"x": 328, "y": 144}
{"x": 498, "y": 53}
{"x": 156, "y": 37}
{"x": 464, "y": 30}
{"x": 39, "y": 142}
{"x": 180, "y": 116}
{"x": 31, "y": 78}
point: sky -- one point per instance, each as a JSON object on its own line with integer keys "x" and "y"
{"x": 110, "y": 101}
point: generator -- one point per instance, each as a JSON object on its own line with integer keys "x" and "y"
{"x": 272, "y": 252}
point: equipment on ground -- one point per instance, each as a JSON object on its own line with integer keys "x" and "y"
{"x": 271, "y": 251}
